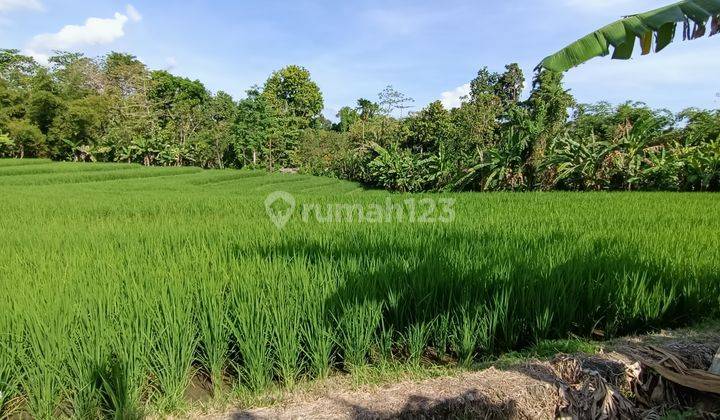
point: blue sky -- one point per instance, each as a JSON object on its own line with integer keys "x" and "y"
{"x": 426, "y": 49}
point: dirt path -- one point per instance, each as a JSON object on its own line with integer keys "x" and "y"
{"x": 490, "y": 393}
{"x": 531, "y": 390}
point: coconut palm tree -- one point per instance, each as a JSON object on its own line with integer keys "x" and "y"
{"x": 654, "y": 28}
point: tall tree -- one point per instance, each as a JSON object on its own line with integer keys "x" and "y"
{"x": 25, "y": 139}
{"x": 16, "y": 68}
{"x": 391, "y": 99}
{"x": 43, "y": 103}
{"x": 76, "y": 75}
{"x": 548, "y": 107}
{"x": 429, "y": 128}
{"x": 347, "y": 117}
{"x": 179, "y": 102}
{"x": 510, "y": 85}
{"x": 367, "y": 110}
{"x": 77, "y": 132}
{"x": 222, "y": 112}
{"x": 549, "y": 102}
{"x": 133, "y": 118}
{"x": 294, "y": 93}
{"x": 258, "y": 124}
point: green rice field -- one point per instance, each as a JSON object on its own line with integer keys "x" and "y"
{"x": 122, "y": 284}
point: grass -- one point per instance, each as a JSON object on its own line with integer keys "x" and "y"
{"x": 123, "y": 283}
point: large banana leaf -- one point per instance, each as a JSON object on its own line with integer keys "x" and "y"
{"x": 656, "y": 27}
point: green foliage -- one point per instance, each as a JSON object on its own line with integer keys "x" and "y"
{"x": 329, "y": 153}
{"x": 502, "y": 167}
{"x": 659, "y": 25}
{"x": 429, "y": 128}
{"x": 503, "y": 90}
{"x": 115, "y": 109}
{"x": 633, "y": 147}
{"x": 6, "y": 145}
{"x": 495, "y": 141}
{"x": 367, "y": 109}
{"x": 576, "y": 164}
{"x": 44, "y": 104}
{"x": 258, "y": 124}
{"x": 401, "y": 170}
{"x": 702, "y": 126}
{"x": 347, "y": 117}
{"x": 169, "y": 91}
{"x": 548, "y": 107}
{"x": 25, "y": 139}
{"x": 124, "y": 289}
{"x": 222, "y": 111}
{"x": 16, "y": 68}
{"x": 77, "y": 130}
{"x": 293, "y": 93}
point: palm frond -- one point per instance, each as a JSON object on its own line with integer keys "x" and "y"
{"x": 657, "y": 27}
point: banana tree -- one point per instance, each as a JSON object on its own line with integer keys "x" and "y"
{"x": 656, "y": 28}
{"x": 577, "y": 164}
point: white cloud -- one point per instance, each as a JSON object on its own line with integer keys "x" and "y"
{"x": 95, "y": 31}
{"x": 10, "y": 5}
{"x": 454, "y": 98}
{"x": 132, "y": 13}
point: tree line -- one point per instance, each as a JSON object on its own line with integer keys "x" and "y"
{"x": 115, "y": 109}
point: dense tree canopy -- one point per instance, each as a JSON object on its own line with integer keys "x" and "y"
{"x": 116, "y": 109}
{"x": 292, "y": 91}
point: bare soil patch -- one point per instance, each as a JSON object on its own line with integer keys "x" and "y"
{"x": 618, "y": 382}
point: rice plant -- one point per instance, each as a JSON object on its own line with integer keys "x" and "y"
{"x": 384, "y": 343}
{"x": 249, "y": 321}
{"x": 468, "y": 329}
{"x": 10, "y": 347}
{"x": 43, "y": 358}
{"x": 213, "y": 331}
{"x": 416, "y": 341}
{"x": 174, "y": 341}
{"x": 356, "y": 328}
{"x": 125, "y": 285}
{"x": 90, "y": 353}
{"x": 316, "y": 331}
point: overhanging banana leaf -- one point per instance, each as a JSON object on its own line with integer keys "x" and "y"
{"x": 659, "y": 25}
